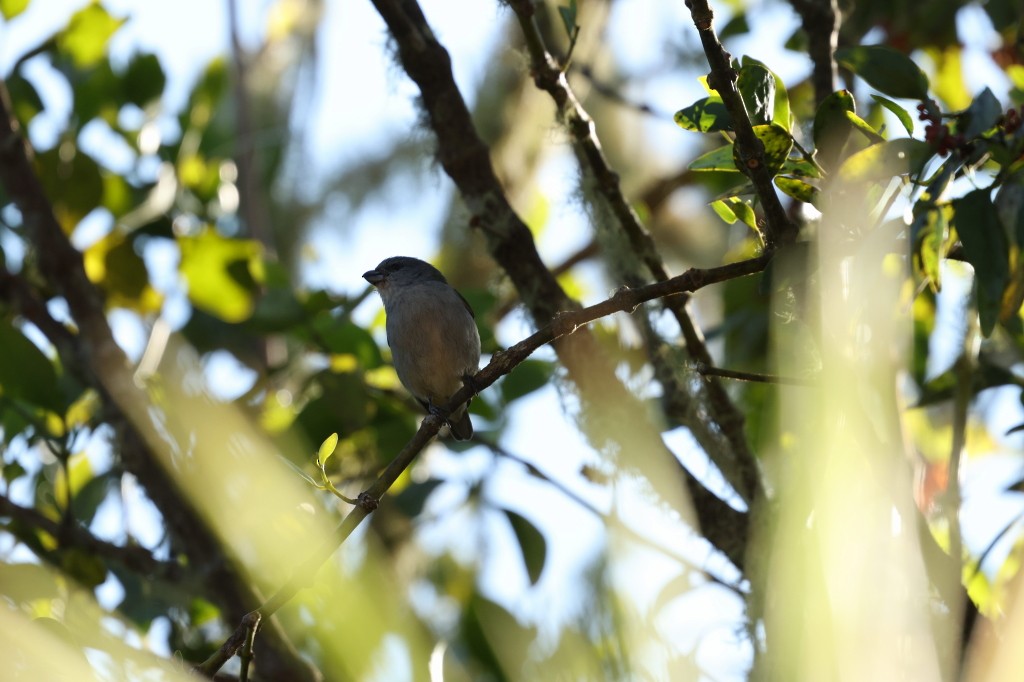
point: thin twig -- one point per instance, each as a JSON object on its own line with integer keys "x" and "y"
{"x": 779, "y": 229}
{"x": 707, "y": 370}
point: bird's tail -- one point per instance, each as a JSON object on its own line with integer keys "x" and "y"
{"x": 461, "y": 426}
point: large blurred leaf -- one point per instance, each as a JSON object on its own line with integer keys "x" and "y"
{"x": 113, "y": 264}
{"x": 26, "y": 373}
{"x": 72, "y": 181}
{"x": 529, "y": 376}
{"x": 341, "y": 337}
{"x": 832, "y": 127}
{"x": 24, "y": 98}
{"x": 885, "y": 160}
{"x": 84, "y": 39}
{"x": 144, "y": 79}
{"x": 215, "y": 269}
{"x": 985, "y": 247}
{"x": 531, "y": 542}
{"x": 885, "y": 69}
{"x": 12, "y": 8}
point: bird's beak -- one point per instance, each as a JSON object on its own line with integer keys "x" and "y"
{"x": 374, "y": 277}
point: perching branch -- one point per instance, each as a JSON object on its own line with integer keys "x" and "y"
{"x": 564, "y": 324}
{"x": 779, "y": 229}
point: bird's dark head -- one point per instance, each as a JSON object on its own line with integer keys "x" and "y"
{"x": 402, "y": 270}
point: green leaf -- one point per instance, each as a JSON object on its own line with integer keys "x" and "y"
{"x": 886, "y": 160}
{"x": 26, "y": 373}
{"x": 798, "y": 189}
{"x": 24, "y": 98}
{"x": 777, "y": 145}
{"x": 568, "y": 15}
{"x": 736, "y": 26}
{"x": 756, "y": 85}
{"x": 716, "y": 160}
{"x": 902, "y": 114}
{"x": 706, "y": 115}
{"x": 84, "y": 566}
{"x": 113, "y": 263}
{"x": 414, "y": 496}
{"x": 12, "y": 472}
{"x": 982, "y": 115}
{"x": 863, "y": 127}
{"x": 724, "y": 211}
{"x": 888, "y": 71}
{"x": 72, "y": 181}
{"x": 978, "y": 225}
{"x": 340, "y": 336}
{"x": 529, "y": 376}
{"x": 84, "y": 39}
{"x": 327, "y": 449}
{"x": 928, "y": 235}
{"x": 143, "y": 80}
{"x": 531, "y": 542}
{"x": 213, "y": 284}
{"x": 12, "y": 8}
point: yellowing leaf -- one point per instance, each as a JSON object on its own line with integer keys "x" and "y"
{"x": 113, "y": 264}
{"x": 218, "y": 273}
{"x": 327, "y": 449}
{"x": 84, "y": 39}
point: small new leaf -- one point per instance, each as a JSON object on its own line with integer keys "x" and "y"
{"x": 568, "y": 15}
{"x": 326, "y": 449}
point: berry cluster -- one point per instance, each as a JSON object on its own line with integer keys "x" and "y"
{"x": 1011, "y": 121}
{"x": 937, "y": 133}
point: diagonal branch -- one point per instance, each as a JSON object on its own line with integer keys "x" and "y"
{"x": 779, "y": 229}
{"x": 717, "y": 519}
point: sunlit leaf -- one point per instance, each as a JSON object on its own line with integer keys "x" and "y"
{"x": 12, "y": 8}
{"x": 85, "y": 37}
{"x": 724, "y": 211}
{"x": 327, "y": 449}
{"x": 948, "y": 83}
{"x": 706, "y": 115}
{"x": 885, "y": 69}
{"x": 902, "y": 114}
{"x": 929, "y": 232}
{"x": 886, "y": 159}
{"x": 777, "y": 145}
{"x": 798, "y": 189}
{"x": 214, "y": 268}
{"x": 716, "y": 160}
{"x": 113, "y": 263}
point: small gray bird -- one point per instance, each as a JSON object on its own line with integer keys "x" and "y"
{"x": 433, "y": 338}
